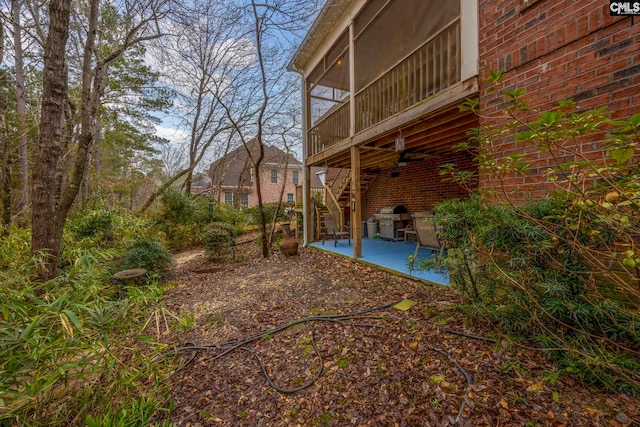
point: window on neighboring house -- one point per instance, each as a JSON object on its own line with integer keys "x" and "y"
{"x": 289, "y": 197}
{"x": 274, "y": 176}
{"x": 295, "y": 178}
{"x": 244, "y": 200}
{"x": 228, "y": 197}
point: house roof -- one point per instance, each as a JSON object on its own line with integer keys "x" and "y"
{"x": 326, "y": 20}
{"x": 234, "y": 168}
{"x": 201, "y": 181}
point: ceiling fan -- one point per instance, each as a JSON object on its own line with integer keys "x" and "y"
{"x": 408, "y": 156}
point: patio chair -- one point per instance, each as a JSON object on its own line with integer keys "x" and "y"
{"x": 428, "y": 236}
{"x": 410, "y": 229}
{"x": 332, "y": 229}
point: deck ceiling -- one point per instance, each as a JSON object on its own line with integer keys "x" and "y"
{"x": 432, "y": 136}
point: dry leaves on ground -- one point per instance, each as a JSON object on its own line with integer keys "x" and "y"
{"x": 385, "y": 368}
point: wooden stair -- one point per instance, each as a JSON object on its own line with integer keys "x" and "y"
{"x": 344, "y": 190}
{"x": 320, "y": 225}
{"x": 340, "y": 187}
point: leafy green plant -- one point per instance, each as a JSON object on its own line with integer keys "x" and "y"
{"x": 217, "y": 238}
{"x": 148, "y": 254}
{"x": 182, "y": 218}
{"x": 342, "y": 362}
{"x": 55, "y": 337}
{"x": 563, "y": 270}
{"x": 97, "y": 223}
{"x": 138, "y": 413}
{"x": 271, "y": 211}
{"x": 181, "y": 236}
{"x": 212, "y": 211}
{"x": 177, "y": 207}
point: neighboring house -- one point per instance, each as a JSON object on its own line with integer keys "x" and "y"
{"x": 234, "y": 181}
{"x": 383, "y": 82}
{"x": 200, "y": 184}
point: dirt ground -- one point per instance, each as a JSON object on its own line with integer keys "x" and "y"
{"x": 365, "y": 365}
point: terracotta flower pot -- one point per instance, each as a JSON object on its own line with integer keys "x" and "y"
{"x": 288, "y": 245}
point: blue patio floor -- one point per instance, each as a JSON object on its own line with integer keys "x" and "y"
{"x": 387, "y": 254}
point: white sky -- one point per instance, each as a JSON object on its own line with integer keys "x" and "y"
{"x": 172, "y": 134}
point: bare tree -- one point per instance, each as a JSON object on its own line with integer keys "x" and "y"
{"x": 206, "y": 49}
{"x": 173, "y": 159}
{"x": 52, "y": 196}
{"x": 5, "y": 176}
{"x": 21, "y": 114}
{"x": 263, "y": 90}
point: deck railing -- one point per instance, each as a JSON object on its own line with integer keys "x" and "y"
{"x": 330, "y": 130}
{"x": 431, "y": 68}
{"x": 316, "y": 192}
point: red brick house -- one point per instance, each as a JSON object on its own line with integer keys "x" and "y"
{"x": 557, "y": 51}
{"x": 234, "y": 182}
{"x": 383, "y": 82}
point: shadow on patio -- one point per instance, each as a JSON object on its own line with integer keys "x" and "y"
{"x": 391, "y": 256}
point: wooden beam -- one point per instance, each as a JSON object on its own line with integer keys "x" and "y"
{"x": 356, "y": 203}
{"x": 307, "y": 215}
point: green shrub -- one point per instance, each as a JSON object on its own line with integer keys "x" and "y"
{"x": 103, "y": 228}
{"x": 58, "y": 336}
{"x": 95, "y": 223}
{"x": 270, "y": 212}
{"x": 182, "y": 236}
{"x": 182, "y": 218}
{"x": 460, "y": 222}
{"x": 177, "y": 207}
{"x": 217, "y": 238}
{"x": 16, "y": 263}
{"x": 225, "y": 212}
{"x": 563, "y": 271}
{"x": 148, "y": 254}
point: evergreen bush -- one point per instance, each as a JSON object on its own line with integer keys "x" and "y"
{"x": 218, "y": 238}
{"x": 565, "y": 270}
{"x": 148, "y": 254}
{"x": 183, "y": 218}
{"x": 95, "y": 223}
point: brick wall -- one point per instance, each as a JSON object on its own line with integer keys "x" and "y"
{"x": 418, "y": 186}
{"x": 271, "y": 191}
{"x": 558, "y": 50}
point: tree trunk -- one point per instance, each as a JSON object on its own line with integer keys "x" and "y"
{"x": 46, "y": 236}
{"x": 258, "y": 28}
{"x": 263, "y": 219}
{"x": 93, "y": 85}
{"x": 5, "y": 203}
{"x": 22, "y": 198}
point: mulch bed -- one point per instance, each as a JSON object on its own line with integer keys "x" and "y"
{"x": 385, "y": 368}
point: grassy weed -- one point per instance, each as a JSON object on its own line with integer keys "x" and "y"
{"x": 69, "y": 351}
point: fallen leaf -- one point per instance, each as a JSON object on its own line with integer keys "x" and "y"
{"x": 504, "y": 404}
{"x": 536, "y": 388}
{"x": 592, "y": 411}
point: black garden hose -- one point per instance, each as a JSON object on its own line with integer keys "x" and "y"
{"x": 227, "y": 347}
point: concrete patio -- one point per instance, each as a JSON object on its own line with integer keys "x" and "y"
{"x": 390, "y": 255}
